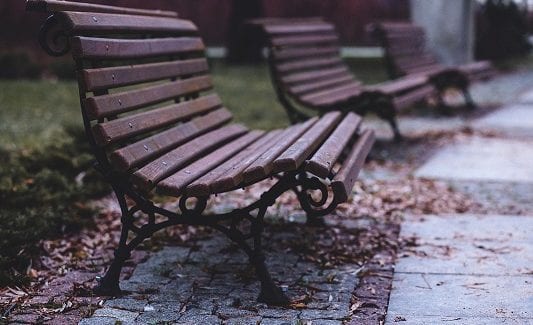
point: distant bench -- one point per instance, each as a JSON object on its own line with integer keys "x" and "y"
{"x": 155, "y": 125}
{"x": 406, "y": 54}
{"x": 307, "y": 70}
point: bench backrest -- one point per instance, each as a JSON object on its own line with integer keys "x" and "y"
{"x": 142, "y": 79}
{"x": 304, "y": 56}
{"x": 405, "y": 48}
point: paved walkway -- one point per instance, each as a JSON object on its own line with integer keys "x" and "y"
{"x": 473, "y": 269}
{"x": 212, "y": 283}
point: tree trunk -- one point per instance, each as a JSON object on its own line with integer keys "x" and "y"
{"x": 244, "y": 41}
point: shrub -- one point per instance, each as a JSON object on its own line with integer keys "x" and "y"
{"x": 40, "y": 191}
{"x": 15, "y": 65}
{"x": 63, "y": 69}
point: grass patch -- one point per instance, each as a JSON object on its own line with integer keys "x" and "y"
{"x": 36, "y": 112}
{"x": 248, "y": 94}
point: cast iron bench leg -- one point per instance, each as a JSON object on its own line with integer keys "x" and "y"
{"x": 469, "y": 102}
{"x": 108, "y": 285}
{"x": 386, "y": 111}
{"x": 270, "y": 293}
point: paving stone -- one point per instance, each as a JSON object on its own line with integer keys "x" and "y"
{"x": 280, "y": 321}
{"x": 502, "y": 89}
{"x": 253, "y": 320}
{"x": 153, "y": 317}
{"x": 469, "y": 244}
{"x": 130, "y": 304}
{"x": 334, "y": 314}
{"x": 482, "y": 159}
{"x": 526, "y": 97}
{"x": 461, "y": 295}
{"x": 199, "y": 319}
{"x": 131, "y": 286}
{"x": 512, "y": 120}
{"x": 325, "y": 322}
{"x": 509, "y": 197}
{"x": 465, "y": 226}
{"x": 232, "y": 312}
{"x": 125, "y": 316}
{"x": 96, "y": 320}
{"x": 413, "y": 126}
{"x": 443, "y": 320}
{"x": 279, "y": 313}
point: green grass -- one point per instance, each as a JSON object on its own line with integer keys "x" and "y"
{"x": 35, "y": 112}
{"x": 248, "y": 94}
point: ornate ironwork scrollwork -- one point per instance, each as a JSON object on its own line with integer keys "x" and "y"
{"x": 199, "y": 205}
{"x": 53, "y": 37}
{"x": 313, "y": 206}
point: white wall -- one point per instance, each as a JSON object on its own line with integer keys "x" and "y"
{"x": 449, "y": 26}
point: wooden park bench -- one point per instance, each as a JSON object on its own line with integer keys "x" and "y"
{"x": 406, "y": 54}
{"x": 307, "y": 70}
{"x": 155, "y": 125}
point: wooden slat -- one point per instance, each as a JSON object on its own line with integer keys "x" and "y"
{"x": 329, "y": 152}
{"x": 149, "y": 175}
{"x": 176, "y": 183}
{"x": 334, "y": 95}
{"x": 411, "y": 97}
{"x": 301, "y": 40}
{"x": 397, "y": 26}
{"x": 112, "y": 77}
{"x": 229, "y": 174}
{"x": 110, "y": 105}
{"x": 403, "y": 51}
{"x": 345, "y": 178}
{"x": 475, "y": 66}
{"x": 398, "y": 85}
{"x": 263, "y": 165}
{"x": 294, "y": 53}
{"x": 412, "y": 32}
{"x": 105, "y": 23}
{"x": 271, "y": 21}
{"x": 305, "y": 88}
{"x": 299, "y": 151}
{"x": 427, "y": 70}
{"x": 313, "y": 75}
{"x": 430, "y": 70}
{"x": 60, "y": 5}
{"x": 128, "y": 126}
{"x": 141, "y": 151}
{"x": 415, "y": 53}
{"x": 416, "y": 60}
{"x": 417, "y": 66}
{"x": 481, "y": 75}
{"x": 313, "y": 63}
{"x": 298, "y": 28}
{"x": 107, "y": 48}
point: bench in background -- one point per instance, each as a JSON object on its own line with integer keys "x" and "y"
{"x": 406, "y": 54}
{"x": 307, "y": 70}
